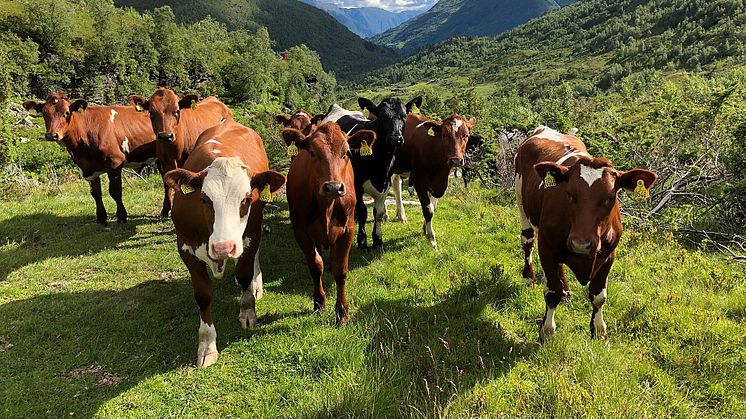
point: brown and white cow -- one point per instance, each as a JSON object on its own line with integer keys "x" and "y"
{"x": 300, "y": 120}
{"x": 321, "y": 197}
{"x": 428, "y": 160}
{"x": 569, "y": 198}
{"x": 177, "y": 124}
{"x": 217, "y": 215}
{"x": 100, "y": 139}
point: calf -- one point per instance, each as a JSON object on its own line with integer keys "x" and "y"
{"x": 100, "y": 139}
{"x": 372, "y": 167}
{"x": 178, "y": 123}
{"x": 569, "y": 198}
{"x": 428, "y": 160}
{"x": 217, "y": 214}
{"x": 300, "y": 120}
{"x": 321, "y": 196}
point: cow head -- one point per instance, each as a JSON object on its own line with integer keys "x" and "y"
{"x": 329, "y": 150}
{"x": 453, "y": 133}
{"x": 226, "y": 190}
{"x": 588, "y": 190}
{"x": 299, "y": 120}
{"x": 57, "y": 111}
{"x": 390, "y": 116}
{"x": 165, "y": 111}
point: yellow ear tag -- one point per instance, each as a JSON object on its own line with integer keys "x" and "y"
{"x": 186, "y": 188}
{"x": 431, "y": 132}
{"x": 292, "y": 150}
{"x": 549, "y": 181}
{"x": 139, "y": 108}
{"x": 365, "y": 149}
{"x": 266, "y": 194}
{"x": 194, "y": 106}
{"x": 641, "y": 192}
{"x": 80, "y": 110}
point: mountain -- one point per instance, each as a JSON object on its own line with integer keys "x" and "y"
{"x": 449, "y": 18}
{"x": 289, "y": 23}
{"x": 365, "y": 21}
{"x": 592, "y": 43}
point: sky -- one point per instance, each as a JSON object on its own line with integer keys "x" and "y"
{"x": 392, "y": 5}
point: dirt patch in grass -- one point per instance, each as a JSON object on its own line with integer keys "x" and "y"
{"x": 102, "y": 377}
{"x": 5, "y": 345}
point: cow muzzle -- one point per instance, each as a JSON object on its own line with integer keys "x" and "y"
{"x": 52, "y": 137}
{"x": 225, "y": 250}
{"x": 166, "y": 137}
{"x": 333, "y": 190}
{"x": 581, "y": 247}
{"x": 456, "y": 162}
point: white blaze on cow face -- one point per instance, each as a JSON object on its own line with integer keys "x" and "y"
{"x": 228, "y": 186}
{"x": 113, "y": 115}
{"x": 591, "y": 175}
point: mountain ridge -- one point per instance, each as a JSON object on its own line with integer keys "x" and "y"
{"x": 365, "y": 21}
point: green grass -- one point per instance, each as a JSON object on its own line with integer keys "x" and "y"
{"x": 102, "y": 323}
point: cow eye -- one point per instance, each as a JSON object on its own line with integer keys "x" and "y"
{"x": 67, "y": 113}
{"x": 347, "y": 155}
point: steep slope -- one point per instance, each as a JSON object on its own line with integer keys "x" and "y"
{"x": 289, "y": 23}
{"x": 450, "y": 18}
{"x": 592, "y": 42}
{"x": 365, "y": 21}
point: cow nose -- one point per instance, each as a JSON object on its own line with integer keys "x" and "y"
{"x": 224, "y": 249}
{"x": 581, "y": 246}
{"x": 457, "y": 162}
{"x": 166, "y": 136}
{"x": 334, "y": 189}
{"x": 52, "y": 137}
{"x": 398, "y": 140}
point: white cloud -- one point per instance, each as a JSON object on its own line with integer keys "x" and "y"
{"x": 393, "y": 5}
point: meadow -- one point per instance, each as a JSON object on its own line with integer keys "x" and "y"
{"x": 101, "y": 322}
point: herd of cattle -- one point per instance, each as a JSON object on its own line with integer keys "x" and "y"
{"x": 217, "y": 181}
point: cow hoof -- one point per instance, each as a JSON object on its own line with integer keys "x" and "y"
{"x": 362, "y": 245}
{"x": 247, "y": 318}
{"x": 385, "y": 218}
{"x": 204, "y": 360}
{"x": 402, "y": 219}
{"x": 342, "y": 319}
{"x": 566, "y": 297}
{"x": 165, "y": 214}
{"x": 545, "y": 334}
{"x": 122, "y": 220}
{"x": 259, "y": 293}
{"x": 102, "y": 221}
{"x": 434, "y": 244}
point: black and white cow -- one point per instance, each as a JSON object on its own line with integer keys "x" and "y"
{"x": 372, "y": 171}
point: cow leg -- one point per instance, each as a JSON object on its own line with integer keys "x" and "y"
{"x": 167, "y": 195}
{"x": 379, "y": 212}
{"x": 115, "y": 191}
{"x": 528, "y": 234}
{"x": 396, "y": 182}
{"x": 315, "y": 267}
{"x": 597, "y": 295}
{"x": 207, "y": 352}
{"x": 465, "y": 174}
{"x": 361, "y": 214}
{"x": 248, "y": 270}
{"x": 97, "y": 196}
{"x": 554, "y": 294}
{"x": 428, "y": 211}
{"x": 339, "y": 256}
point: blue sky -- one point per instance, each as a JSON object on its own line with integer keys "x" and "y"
{"x": 393, "y": 5}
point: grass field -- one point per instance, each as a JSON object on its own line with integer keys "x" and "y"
{"x": 101, "y": 322}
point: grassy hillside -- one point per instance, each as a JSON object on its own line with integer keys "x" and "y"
{"x": 450, "y": 18}
{"x": 101, "y": 322}
{"x": 289, "y": 23}
{"x": 593, "y": 43}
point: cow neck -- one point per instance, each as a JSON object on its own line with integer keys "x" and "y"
{"x": 75, "y": 133}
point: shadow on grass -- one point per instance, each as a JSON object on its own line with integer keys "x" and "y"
{"x": 421, "y": 358}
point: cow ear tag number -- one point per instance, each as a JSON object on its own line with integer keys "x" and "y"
{"x": 549, "y": 181}
{"x": 365, "y": 149}
{"x": 292, "y": 150}
{"x": 266, "y": 194}
{"x": 186, "y": 188}
{"x": 194, "y": 105}
{"x": 641, "y": 192}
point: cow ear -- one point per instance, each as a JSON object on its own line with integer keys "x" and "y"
{"x": 79, "y": 105}
{"x": 628, "y": 180}
{"x": 558, "y": 172}
{"x": 273, "y": 179}
{"x": 293, "y": 136}
{"x": 356, "y": 140}
{"x": 309, "y": 130}
{"x": 139, "y": 102}
{"x": 317, "y": 118}
{"x": 188, "y": 101}
{"x": 367, "y": 104}
{"x": 414, "y": 102}
{"x": 470, "y": 123}
{"x": 176, "y": 179}
{"x": 32, "y": 104}
{"x": 435, "y": 126}
{"x": 283, "y": 119}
